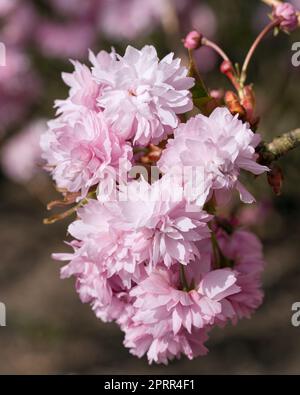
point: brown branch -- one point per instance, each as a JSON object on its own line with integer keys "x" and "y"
{"x": 270, "y": 152}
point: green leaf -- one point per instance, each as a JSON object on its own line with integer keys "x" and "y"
{"x": 200, "y": 97}
{"x": 199, "y": 92}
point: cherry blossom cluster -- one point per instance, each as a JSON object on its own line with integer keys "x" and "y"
{"x": 152, "y": 255}
{"x": 60, "y": 29}
{"x": 35, "y": 34}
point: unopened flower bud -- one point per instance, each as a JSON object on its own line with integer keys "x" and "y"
{"x": 193, "y": 40}
{"x": 217, "y": 94}
{"x": 226, "y": 67}
{"x": 287, "y": 14}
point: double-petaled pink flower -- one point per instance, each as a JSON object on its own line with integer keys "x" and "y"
{"x": 220, "y": 146}
{"x": 81, "y": 153}
{"x": 138, "y": 93}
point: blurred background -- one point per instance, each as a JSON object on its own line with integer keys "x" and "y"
{"x": 48, "y": 329}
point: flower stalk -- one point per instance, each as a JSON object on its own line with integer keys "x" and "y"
{"x": 253, "y": 48}
{"x": 216, "y": 48}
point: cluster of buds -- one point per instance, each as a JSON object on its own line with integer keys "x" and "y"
{"x": 243, "y": 102}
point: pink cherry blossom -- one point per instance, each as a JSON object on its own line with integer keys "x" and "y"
{"x": 139, "y": 19}
{"x": 127, "y": 236}
{"x": 79, "y": 153}
{"x": 106, "y": 295}
{"x": 17, "y": 28}
{"x": 161, "y": 345}
{"x": 172, "y": 226}
{"x": 119, "y": 251}
{"x": 77, "y": 8}
{"x": 84, "y": 90}
{"x": 21, "y": 155}
{"x": 221, "y": 146}
{"x": 19, "y": 88}
{"x": 203, "y": 17}
{"x": 166, "y": 321}
{"x": 255, "y": 215}
{"x": 160, "y": 296}
{"x": 146, "y": 253}
{"x": 142, "y": 95}
{"x": 64, "y": 40}
{"x": 245, "y": 250}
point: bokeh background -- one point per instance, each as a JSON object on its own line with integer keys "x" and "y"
{"x": 48, "y": 329}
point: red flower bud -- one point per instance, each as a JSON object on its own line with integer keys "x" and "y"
{"x": 226, "y": 67}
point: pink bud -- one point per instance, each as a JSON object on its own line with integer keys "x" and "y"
{"x": 193, "y": 40}
{"x": 226, "y": 67}
{"x": 217, "y": 94}
{"x": 287, "y": 14}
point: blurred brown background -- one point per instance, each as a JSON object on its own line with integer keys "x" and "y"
{"x": 49, "y": 330}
